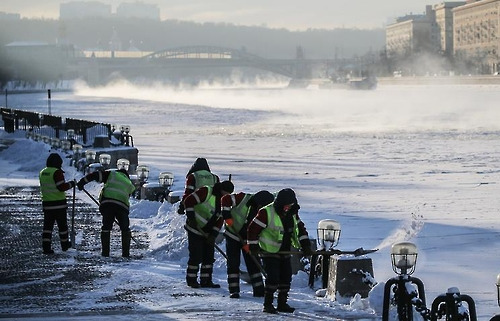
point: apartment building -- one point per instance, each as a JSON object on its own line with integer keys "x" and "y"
{"x": 476, "y": 33}
{"x": 443, "y": 13}
{"x": 411, "y": 34}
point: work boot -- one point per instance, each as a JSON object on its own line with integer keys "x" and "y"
{"x": 47, "y": 247}
{"x": 126, "y": 237}
{"x": 258, "y": 292}
{"x": 268, "y": 303}
{"x": 282, "y": 305}
{"x": 209, "y": 284}
{"x": 105, "y": 242}
{"x": 65, "y": 245}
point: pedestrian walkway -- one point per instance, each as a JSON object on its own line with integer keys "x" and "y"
{"x": 32, "y": 282}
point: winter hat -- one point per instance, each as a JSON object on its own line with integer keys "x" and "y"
{"x": 227, "y": 186}
{"x": 285, "y": 196}
{"x": 54, "y": 160}
{"x": 261, "y": 199}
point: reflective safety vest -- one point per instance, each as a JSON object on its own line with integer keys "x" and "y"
{"x": 48, "y": 186}
{"x": 205, "y": 210}
{"x": 271, "y": 237}
{"x": 118, "y": 187}
{"x": 239, "y": 214}
{"x": 204, "y": 178}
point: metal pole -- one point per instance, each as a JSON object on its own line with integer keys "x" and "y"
{"x": 48, "y": 93}
{"x": 73, "y": 236}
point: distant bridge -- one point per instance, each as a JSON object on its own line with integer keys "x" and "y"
{"x": 190, "y": 60}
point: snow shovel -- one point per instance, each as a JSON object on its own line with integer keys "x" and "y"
{"x": 244, "y": 274}
{"x": 358, "y": 252}
{"x": 73, "y": 235}
{"x": 116, "y": 221}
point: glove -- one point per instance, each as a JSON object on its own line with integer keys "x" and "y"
{"x": 80, "y": 184}
{"x": 72, "y": 183}
{"x": 180, "y": 210}
{"x": 253, "y": 249}
{"x": 229, "y": 222}
{"x": 191, "y": 222}
{"x": 307, "y": 251}
{"x": 246, "y": 248}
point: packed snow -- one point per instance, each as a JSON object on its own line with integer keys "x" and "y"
{"x": 399, "y": 163}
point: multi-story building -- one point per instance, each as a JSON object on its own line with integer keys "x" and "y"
{"x": 412, "y": 34}
{"x": 84, "y": 9}
{"x": 444, "y": 25}
{"x": 477, "y": 33}
{"x": 138, "y": 10}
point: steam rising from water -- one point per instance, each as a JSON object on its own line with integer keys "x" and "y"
{"x": 469, "y": 108}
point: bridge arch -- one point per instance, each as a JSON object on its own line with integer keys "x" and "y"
{"x": 231, "y": 56}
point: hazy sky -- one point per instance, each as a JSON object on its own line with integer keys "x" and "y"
{"x": 290, "y": 14}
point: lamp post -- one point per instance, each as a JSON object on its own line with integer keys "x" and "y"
{"x": 123, "y": 163}
{"x": 404, "y": 258}
{"x": 166, "y": 179}
{"x": 328, "y": 233}
{"x": 70, "y": 135}
{"x": 125, "y": 129}
{"x": 328, "y": 237}
{"x": 401, "y": 290}
{"x": 105, "y": 160}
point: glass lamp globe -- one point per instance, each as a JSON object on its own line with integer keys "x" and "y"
{"x": 142, "y": 172}
{"x": 328, "y": 233}
{"x": 70, "y": 133}
{"x": 105, "y": 160}
{"x": 77, "y": 149}
{"x": 123, "y": 163}
{"x": 166, "y": 179}
{"x": 90, "y": 156}
{"x": 404, "y": 257}
{"x": 65, "y": 144}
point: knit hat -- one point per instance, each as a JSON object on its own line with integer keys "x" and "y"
{"x": 54, "y": 160}
{"x": 285, "y": 196}
{"x": 227, "y": 186}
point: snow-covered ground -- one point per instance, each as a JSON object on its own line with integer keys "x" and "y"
{"x": 400, "y": 163}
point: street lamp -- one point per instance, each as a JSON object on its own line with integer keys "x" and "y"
{"x": 123, "y": 163}
{"x": 404, "y": 258}
{"x": 328, "y": 233}
{"x": 405, "y": 292}
{"x": 498, "y": 289}
{"x": 105, "y": 160}
{"x": 90, "y": 156}
{"x": 55, "y": 142}
{"x": 142, "y": 173}
{"x": 66, "y": 145}
{"x": 166, "y": 179}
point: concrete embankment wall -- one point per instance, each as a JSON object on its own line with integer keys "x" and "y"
{"x": 448, "y": 80}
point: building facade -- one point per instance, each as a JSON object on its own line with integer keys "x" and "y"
{"x": 476, "y": 33}
{"x": 444, "y": 25}
{"x": 412, "y": 34}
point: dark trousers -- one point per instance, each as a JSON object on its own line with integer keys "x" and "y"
{"x": 110, "y": 212}
{"x": 233, "y": 251}
{"x": 50, "y": 217}
{"x": 200, "y": 252}
{"x": 279, "y": 273}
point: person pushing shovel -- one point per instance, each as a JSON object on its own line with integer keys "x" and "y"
{"x": 276, "y": 228}
{"x": 54, "y": 204}
{"x": 113, "y": 205}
